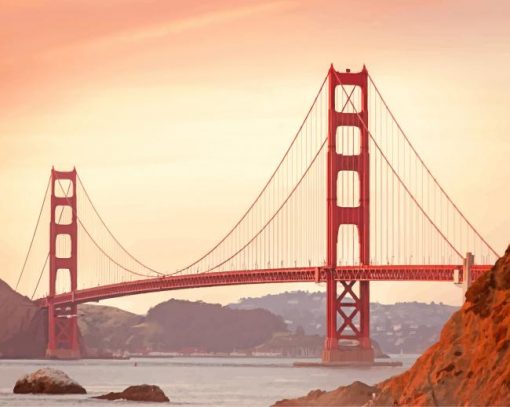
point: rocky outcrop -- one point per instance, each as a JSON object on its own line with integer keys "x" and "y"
{"x": 143, "y": 392}
{"x": 23, "y": 326}
{"x": 357, "y": 394}
{"x": 469, "y": 365}
{"x": 48, "y": 381}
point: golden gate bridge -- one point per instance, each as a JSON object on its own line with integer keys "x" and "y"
{"x": 350, "y": 202}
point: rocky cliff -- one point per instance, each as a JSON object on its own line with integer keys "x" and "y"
{"x": 22, "y": 326}
{"x": 469, "y": 365}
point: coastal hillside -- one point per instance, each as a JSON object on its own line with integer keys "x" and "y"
{"x": 469, "y": 365}
{"x": 105, "y": 330}
{"x": 408, "y": 327}
{"x": 175, "y": 326}
{"x": 23, "y": 326}
{"x": 172, "y": 326}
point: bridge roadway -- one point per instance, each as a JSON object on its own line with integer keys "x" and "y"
{"x": 265, "y": 276}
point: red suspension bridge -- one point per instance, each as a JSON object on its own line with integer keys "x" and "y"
{"x": 350, "y": 202}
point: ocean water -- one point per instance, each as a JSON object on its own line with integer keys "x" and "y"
{"x": 194, "y": 382}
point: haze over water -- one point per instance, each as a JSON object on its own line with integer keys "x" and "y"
{"x": 197, "y": 382}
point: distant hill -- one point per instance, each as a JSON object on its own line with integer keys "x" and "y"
{"x": 409, "y": 327}
{"x": 22, "y": 326}
{"x": 172, "y": 326}
{"x": 175, "y": 326}
{"x": 105, "y": 330}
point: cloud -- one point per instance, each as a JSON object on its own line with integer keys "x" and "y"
{"x": 194, "y": 22}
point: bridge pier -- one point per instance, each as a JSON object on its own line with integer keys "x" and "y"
{"x": 349, "y": 342}
{"x": 63, "y": 335}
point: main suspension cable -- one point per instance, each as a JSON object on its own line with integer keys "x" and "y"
{"x": 428, "y": 170}
{"x": 66, "y": 193}
{"x": 263, "y": 189}
{"x": 35, "y": 232}
{"x": 97, "y": 245}
{"x": 398, "y": 177}
{"x": 111, "y": 233}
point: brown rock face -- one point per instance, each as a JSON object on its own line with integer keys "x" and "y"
{"x": 48, "y": 381}
{"x": 469, "y": 365}
{"x": 356, "y": 394}
{"x": 143, "y": 392}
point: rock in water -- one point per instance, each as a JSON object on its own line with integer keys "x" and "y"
{"x": 469, "y": 365}
{"x": 143, "y": 392}
{"x": 48, "y": 381}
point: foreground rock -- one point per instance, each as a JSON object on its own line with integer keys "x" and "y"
{"x": 357, "y": 394}
{"x": 143, "y": 392}
{"x": 469, "y": 365}
{"x": 48, "y": 381}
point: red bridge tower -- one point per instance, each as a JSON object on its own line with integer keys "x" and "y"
{"x": 351, "y": 307}
{"x": 63, "y": 340}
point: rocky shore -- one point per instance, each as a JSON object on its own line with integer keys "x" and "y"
{"x": 469, "y": 365}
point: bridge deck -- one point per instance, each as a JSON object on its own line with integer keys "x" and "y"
{"x": 284, "y": 275}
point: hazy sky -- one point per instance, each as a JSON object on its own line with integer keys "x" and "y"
{"x": 176, "y": 112}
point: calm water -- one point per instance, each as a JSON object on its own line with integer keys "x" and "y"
{"x": 190, "y": 381}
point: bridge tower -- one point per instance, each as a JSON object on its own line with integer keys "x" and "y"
{"x": 347, "y": 314}
{"x": 63, "y": 337}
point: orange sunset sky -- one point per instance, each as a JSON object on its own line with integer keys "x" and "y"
{"x": 176, "y": 112}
